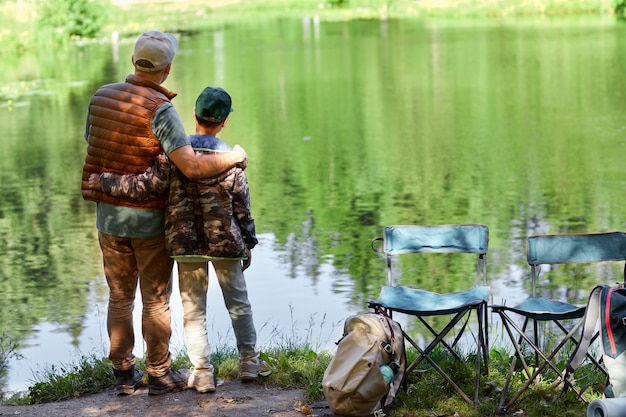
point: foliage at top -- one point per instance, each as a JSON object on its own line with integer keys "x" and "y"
{"x": 72, "y": 18}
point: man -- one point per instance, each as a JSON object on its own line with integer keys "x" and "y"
{"x": 128, "y": 125}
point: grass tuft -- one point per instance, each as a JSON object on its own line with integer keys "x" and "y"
{"x": 89, "y": 375}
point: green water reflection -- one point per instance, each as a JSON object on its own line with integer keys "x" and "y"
{"x": 349, "y": 127}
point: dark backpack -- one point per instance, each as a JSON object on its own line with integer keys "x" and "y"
{"x": 608, "y": 306}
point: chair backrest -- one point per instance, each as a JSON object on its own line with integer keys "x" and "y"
{"x": 574, "y": 249}
{"x": 449, "y": 238}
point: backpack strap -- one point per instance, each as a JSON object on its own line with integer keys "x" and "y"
{"x": 394, "y": 347}
{"x": 592, "y": 315}
{"x": 389, "y": 347}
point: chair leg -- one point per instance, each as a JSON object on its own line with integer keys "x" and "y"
{"x": 424, "y": 356}
{"x": 481, "y": 354}
{"x": 506, "y": 322}
{"x": 483, "y": 322}
{"x": 439, "y": 336}
{"x": 546, "y": 360}
{"x": 482, "y": 350}
{"x": 589, "y": 356}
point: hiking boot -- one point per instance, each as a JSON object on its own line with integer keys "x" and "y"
{"x": 202, "y": 381}
{"x": 172, "y": 381}
{"x": 253, "y": 367}
{"x": 126, "y": 382}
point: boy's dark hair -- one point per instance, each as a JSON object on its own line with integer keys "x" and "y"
{"x": 206, "y": 124}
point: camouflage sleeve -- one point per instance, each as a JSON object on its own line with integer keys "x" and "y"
{"x": 241, "y": 205}
{"x": 140, "y": 186}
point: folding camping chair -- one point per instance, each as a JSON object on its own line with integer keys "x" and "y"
{"x": 552, "y": 250}
{"x": 425, "y": 305}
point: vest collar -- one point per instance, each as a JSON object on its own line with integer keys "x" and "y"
{"x": 144, "y": 82}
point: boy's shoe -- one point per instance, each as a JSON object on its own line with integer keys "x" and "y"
{"x": 126, "y": 382}
{"x": 172, "y": 381}
{"x": 251, "y": 368}
{"x": 202, "y": 381}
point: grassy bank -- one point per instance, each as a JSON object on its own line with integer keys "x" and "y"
{"x": 27, "y": 26}
{"x": 299, "y": 366}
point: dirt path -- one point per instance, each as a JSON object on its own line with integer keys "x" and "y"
{"x": 233, "y": 399}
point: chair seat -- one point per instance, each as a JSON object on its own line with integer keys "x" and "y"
{"x": 543, "y": 309}
{"x": 411, "y": 301}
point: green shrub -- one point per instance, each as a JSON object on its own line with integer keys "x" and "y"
{"x": 72, "y": 18}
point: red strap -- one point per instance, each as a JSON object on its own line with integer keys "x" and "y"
{"x": 607, "y": 321}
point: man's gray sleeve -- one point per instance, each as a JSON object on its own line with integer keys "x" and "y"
{"x": 168, "y": 127}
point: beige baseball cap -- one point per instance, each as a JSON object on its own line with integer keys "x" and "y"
{"x": 154, "y": 51}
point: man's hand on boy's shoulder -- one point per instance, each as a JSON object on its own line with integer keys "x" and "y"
{"x": 243, "y": 156}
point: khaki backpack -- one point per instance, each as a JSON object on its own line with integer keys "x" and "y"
{"x": 354, "y": 382}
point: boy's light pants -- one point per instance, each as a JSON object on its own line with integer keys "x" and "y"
{"x": 194, "y": 284}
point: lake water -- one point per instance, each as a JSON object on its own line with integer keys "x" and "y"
{"x": 349, "y": 127}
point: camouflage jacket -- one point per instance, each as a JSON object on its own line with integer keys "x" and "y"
{"x": 206, "y": 218}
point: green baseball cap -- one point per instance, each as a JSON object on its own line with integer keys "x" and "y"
{"x": 213, "y": 105}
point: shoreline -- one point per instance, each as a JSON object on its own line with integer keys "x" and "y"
{"x": 232, "y": 399}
